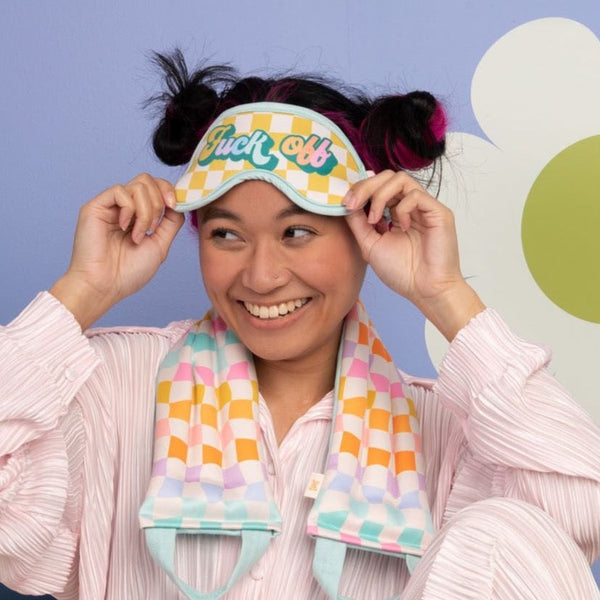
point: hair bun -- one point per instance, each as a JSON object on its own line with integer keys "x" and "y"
{"x": 188, "y": 106}
{"x": 404, "y": 132}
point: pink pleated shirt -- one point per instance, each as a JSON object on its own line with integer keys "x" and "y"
{"x": 76, "y": 435}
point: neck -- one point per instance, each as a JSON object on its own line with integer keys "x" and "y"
{"x": 291, "y": 387}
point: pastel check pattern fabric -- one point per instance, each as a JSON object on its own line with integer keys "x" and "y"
{"x": 209, "y": 472}
{"x": 373, "y": 494}
{"x": 299, "y": 151}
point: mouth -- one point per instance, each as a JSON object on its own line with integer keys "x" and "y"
{"x": 275, "y": 311}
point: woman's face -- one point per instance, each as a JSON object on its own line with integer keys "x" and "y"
{"x": 282, "y": 278}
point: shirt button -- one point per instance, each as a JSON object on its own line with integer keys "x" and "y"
{"x": 70, "y": 374}
{"x": 271, "y": 469}
{"x": 257, "y": 572}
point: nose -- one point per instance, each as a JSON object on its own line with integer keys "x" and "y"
{"x": 265, "y": 269}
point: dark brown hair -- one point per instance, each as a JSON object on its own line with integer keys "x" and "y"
{"x": 399, "y": 132}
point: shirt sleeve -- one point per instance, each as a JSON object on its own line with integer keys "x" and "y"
{"x": 517, "y": 432}
{"x": 44, "y": 361}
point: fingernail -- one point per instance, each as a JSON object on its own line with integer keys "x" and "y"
{"x": 372, "y": 219}
{"x": 349, "y": 201}
{"x": 171, "y": 200}
{"x": 124, "y": 224}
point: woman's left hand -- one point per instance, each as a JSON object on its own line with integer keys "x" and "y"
{"x": 416, "y": 255}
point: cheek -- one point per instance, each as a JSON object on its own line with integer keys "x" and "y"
{"x": 354, "y": 266}
{"x": 342, "y": 270}
{"x": 214, "y": 272}
{"x": 209, "y": 276}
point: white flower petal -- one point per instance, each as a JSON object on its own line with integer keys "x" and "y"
{"x": 486, "y": 188}
{"x": 537, "y": 89}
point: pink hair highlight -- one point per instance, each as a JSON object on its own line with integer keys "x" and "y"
{"x": 397, "y": 152}
{"x": 281, "y": 91}
{"x": 438, "y": 123}
{"x": 350, "y": 130}
{"x": 405, "y": 157}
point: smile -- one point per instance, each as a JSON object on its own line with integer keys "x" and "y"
{"x": 276, "y": 310}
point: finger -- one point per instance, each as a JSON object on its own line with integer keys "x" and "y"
{"x": 366, "y": 236}
{"x": 161, "y": 194}
{"x": 149, "y": 203}
{"x": 167, "y": 230}
{"x": 420, "y": 210}
{"x": 360, "y": 193}
{"x": 121, "y": 198}
{"x": 167, "y": 191}
{"x": 159, "y": 191}
{"x": 144, "y": 213}
{"x": 391, "y": 192}
{"x": 115, "y": 197}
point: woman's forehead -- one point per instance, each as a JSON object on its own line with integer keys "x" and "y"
{"x": 250, "y": 198}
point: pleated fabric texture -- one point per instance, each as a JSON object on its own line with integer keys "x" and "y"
{"x": 500, "y": 549}
{"x": 209, "y": 474}
{"x": 76, "y": 432}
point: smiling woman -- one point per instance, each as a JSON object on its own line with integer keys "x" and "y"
{"x": 263, "y": 270}
{"x": 450, "y": 489}
{"x": 255, "y": 249}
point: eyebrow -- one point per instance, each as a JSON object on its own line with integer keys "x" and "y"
{"x": 215, "y": 212}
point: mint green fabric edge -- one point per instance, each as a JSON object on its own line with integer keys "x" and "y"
{"x": 328, "y": 564}
{"x": 161, "y": 544}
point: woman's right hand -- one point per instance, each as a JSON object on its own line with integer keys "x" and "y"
{"x": 113, "y": 256}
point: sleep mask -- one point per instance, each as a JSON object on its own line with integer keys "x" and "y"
{"x": 301, "y": 152}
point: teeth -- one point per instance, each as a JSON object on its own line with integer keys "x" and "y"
{"x": 276, "y": 310}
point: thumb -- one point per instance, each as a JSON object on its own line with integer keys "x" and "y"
{"x": 365, "y": 234}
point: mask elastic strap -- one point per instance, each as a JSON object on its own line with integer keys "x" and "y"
{"x": 161, "y": 544}
{"x": 328, "y": 564}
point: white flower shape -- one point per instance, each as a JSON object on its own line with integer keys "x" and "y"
{"x": 527, "y": 202}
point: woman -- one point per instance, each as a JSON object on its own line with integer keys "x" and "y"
{"x": 489, "y": 475}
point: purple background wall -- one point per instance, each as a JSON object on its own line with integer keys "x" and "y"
{"x": 74, "y": 76}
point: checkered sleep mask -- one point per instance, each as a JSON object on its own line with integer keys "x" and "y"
{"x": 210, "y": 477}
{"x": 301, "y": 152}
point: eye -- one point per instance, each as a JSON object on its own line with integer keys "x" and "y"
{"x": 220, "y": 233}
{"x": 297, "y": 232}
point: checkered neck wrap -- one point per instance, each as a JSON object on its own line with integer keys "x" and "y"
{"x": 301, "y": 152}
{"x": 373, "y": 495}
{"x": 209, "y": 470}
{"x": 209, "y": 473}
